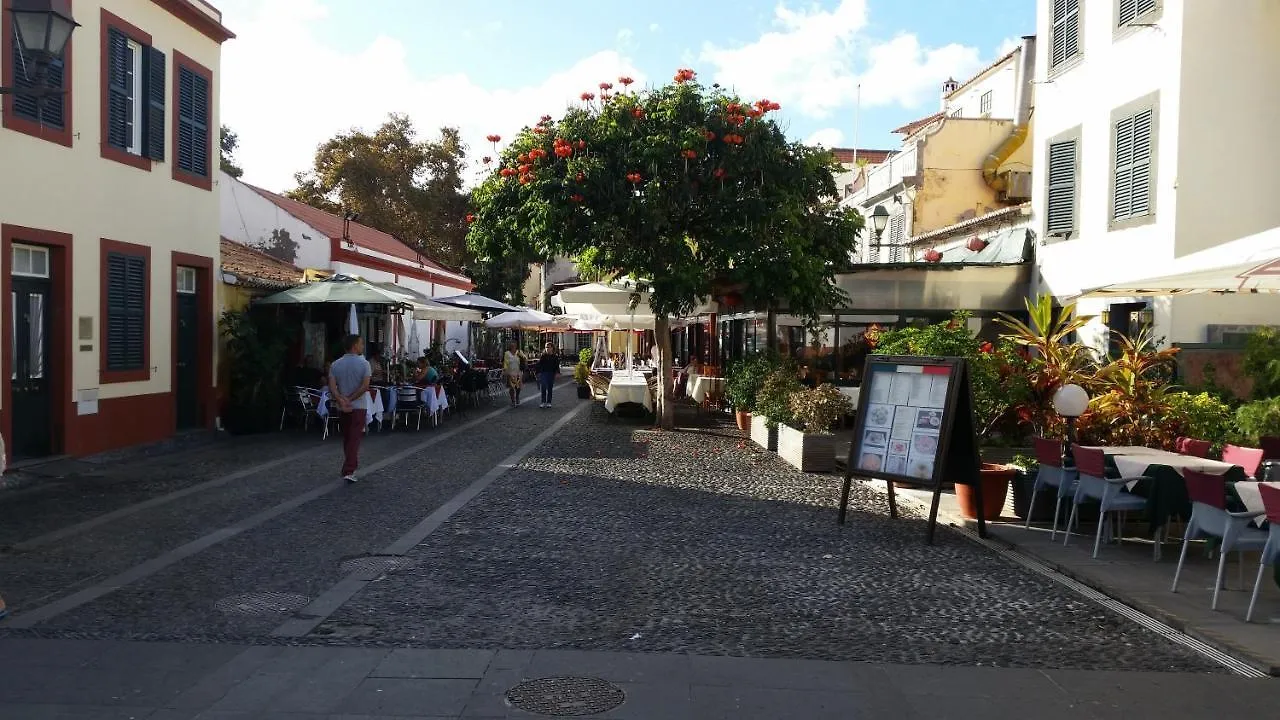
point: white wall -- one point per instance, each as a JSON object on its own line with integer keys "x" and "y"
{"x": 1001, "y": 82}
{"x": 249, "y": 219}
{"x": 1113, "y": 72}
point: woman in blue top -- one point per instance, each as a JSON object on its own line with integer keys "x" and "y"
{"x": 426, "y": 375}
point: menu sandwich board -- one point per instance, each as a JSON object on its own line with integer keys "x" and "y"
{"x": 914, "y": 426}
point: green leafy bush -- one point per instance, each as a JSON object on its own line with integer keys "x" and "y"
{"x": 1201, "y": 416}
{"x": 746, "y": 377}
{"x": 1262, "y": 362}
{"x": 819, "y": 409}
{"x": 585, "y": 355}
{"x": 774, "y": 399}
{"x": 581, "y": 372}
{"x": 1258, "y": 418}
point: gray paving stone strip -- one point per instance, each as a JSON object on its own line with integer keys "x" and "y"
{"x": 41, "y": 614}
{"x": 335, "y": 597}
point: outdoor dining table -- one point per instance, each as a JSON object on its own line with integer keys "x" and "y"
{"x": 432, "y": 396}
{"x": 627, "y": 388}
{"x": 704, "y": 385}
{"x": 376, "y": 408}
{"x": 1162, "y": 484}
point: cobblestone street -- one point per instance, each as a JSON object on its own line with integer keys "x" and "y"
{"x": 515, "y": 531}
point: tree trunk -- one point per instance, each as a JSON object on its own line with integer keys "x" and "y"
{"x": 771, "y": 328}
{"x": 666, "y": 410}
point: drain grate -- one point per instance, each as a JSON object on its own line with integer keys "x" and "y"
{"x": 374, "y": 564}
{"x": 262, "y": 603}
{"x": 566, "y": 696}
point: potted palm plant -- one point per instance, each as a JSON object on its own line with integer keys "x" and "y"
{"x": 807, "y": 442}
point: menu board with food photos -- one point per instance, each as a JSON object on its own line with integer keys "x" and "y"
{"x": 914, "y": 426}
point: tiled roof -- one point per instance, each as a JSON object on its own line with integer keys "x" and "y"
{"x": 362, "y": 235}
{"x": 917, "y": 124}
{"x": 872, "y": 157}
{"x": 974, "y": 222}
{"x": 254, "y": 267}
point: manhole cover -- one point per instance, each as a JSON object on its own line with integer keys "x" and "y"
{"x": 373, "y": 564}
{"x": 262, "y": 603}
{"x": 566, "y": 696}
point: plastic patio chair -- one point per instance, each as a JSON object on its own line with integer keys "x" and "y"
{"x": 1091, "y": 467}
{"x": 1271, "y": 551}
{"x": 1193, "y": 447}
{"x": 408, "y": 404}
{"x": 1052, "y": 474}
{"x": 1209, "y": 517}
{"x": 1247, "y": 458}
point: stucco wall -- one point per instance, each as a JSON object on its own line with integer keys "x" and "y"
{"x": 74, "y": 190}
{"x": 1000, "y": 81}
{"x": 250, "y": 219}
{"x": 952, "y": 189}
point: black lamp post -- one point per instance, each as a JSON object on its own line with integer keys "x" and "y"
{"x": 879, "y": 221}
{"x": 41, "y": 28}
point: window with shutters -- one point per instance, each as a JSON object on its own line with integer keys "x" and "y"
{"x": 1133, "y": 163}
{"x": 133, "y": 95}
{"x": 193, "y": 122}
{"x": 125, "y": 296}
{"x": 897, "y": 235}
{"x": 48, "y": 117}
{"x": 1062, "y": 180}
{"x": 1131, "y": 13}
{"x": 1064, "y": 33}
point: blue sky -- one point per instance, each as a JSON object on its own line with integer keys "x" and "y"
{"x": 302, "y": 70}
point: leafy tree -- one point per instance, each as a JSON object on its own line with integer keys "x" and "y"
{"x": 688, "y": 190}
{"x": 228, "y": 142}
{"x": 399, "y": 184}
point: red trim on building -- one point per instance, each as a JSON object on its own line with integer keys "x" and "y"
{"x": 187, "y": 12}
{"x": 63, "y": 415}
{"x": 109, "y": 151}
{"x": 203, "y": 266}
{"x": 206, "y": 182}
{"x": 340, "y": 254}
{"x": 13, "y": 122}
{"x": 123, "y": 422}
{"x": 107, "y": 377}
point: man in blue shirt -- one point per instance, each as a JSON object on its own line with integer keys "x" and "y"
{"x": 349, "y": 387}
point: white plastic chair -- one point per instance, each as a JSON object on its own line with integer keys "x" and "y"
{"x": 1209, "y": 517}
{"x": 1052, "y": 474}
{"x": 1271, "y": 551}
{"x": 1091, "y": 467}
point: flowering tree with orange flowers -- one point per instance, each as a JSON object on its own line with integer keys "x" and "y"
{"x": 690, "y": 191}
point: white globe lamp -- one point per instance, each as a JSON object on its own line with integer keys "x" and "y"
{"x": 1070, "y": 401}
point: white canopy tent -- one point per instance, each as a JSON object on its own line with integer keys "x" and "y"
{"x": 610, "y": 306}
{"x": 524, "y": 319}
{"x": 1248, "y": 265}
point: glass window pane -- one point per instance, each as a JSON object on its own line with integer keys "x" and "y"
{"x": 40, "y": 263}
{"x": 35, "y": 326}
{"x": 21, "y": 261}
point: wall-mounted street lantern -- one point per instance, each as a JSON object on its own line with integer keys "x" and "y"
{"x": 879, "y": 221}
{"x": 41, "y": 28}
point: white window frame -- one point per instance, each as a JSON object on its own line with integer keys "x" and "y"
{"x": 32, "y": 252}
{"x": 186, "y": 281}
{"x": 984, "y": 103}
{"x": 1059, "y": 24}
{"x": 137, "y": 101}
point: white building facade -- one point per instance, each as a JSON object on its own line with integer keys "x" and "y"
{"x": 1154, "y": 130}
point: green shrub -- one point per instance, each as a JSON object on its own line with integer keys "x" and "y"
{"x": 585, "y": 356}
{"x": 774, "y": 399}
{"x": 1201, "y": 416}
{"x": 1262, "y": 362}
{"x": 745, "y": 378}
{"x": 1258, "y": 418}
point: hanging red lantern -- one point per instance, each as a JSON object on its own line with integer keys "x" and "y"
{"x": 977, "y": 244}
{"x": 932, "y": 256}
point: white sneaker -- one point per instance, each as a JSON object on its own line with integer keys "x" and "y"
{"x": 349, "y": 478}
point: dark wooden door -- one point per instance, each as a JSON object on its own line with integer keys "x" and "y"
{"x": 32, "y": 323}
{"x": 186, "y": 364}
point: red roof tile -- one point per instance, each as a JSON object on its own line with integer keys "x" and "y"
{"x": 257, "y": 267}
{"x": 872, "y": 157}
{"x": 362, "y": 235}
{"x": 915, "y": 125}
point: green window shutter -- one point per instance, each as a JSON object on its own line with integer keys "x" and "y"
{"x": 193, "y": 123}
{"x": 119, "y": 90}
{"x": 126, "y": 312}
{"x": 153, "y": 139}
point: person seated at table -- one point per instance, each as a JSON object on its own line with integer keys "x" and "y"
{"x": 377, "y": 366}
{"x": 425, "y": 374}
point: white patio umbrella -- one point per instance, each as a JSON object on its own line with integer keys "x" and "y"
{"x": 1248, "y": 265}
{"x": 415, "y": 345}
{"x": 353, "y": 323}
{"x": 524, "y": 319}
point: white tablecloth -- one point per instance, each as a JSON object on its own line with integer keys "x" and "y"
{"x": 628, "y": 389}
{"x": 1114, "y": 450}
{"x": 1249, "y": 494}
{"x": 374, "y": 413}
{"x": 1135, "y": 465}
{"x": 704, "y": 385}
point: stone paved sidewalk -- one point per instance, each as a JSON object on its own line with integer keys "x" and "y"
{"x": 44, "y": 679}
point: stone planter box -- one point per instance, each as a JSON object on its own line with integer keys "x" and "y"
{"x": 761, "y": 434}
{"x": 807, "y": 452}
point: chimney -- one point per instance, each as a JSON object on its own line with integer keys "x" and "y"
{"x": 948, "y": 87}
{"x": 1026, "y": 81}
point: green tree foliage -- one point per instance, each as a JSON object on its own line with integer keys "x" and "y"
{"x": 1262, "y": 362}
{"x": 689, "y": 190}
{"x": 399, "y": 184}
{"x": 228, "y": 141}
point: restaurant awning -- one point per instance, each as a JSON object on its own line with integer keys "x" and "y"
{"x": 426, "y": 308}
{"x": 337, "y": 289}
{"x": 1248, "y": 265}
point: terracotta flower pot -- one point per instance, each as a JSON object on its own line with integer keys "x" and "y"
{"x": 744, "y": 420}
{"x": 995, "y": 481}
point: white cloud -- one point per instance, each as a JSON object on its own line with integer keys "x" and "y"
{"x": 826, "y": 137}
{"x": 1007, "y": 46}
{"x": 626, "y": 39}
{"x": 654, "y": 27}
{"x": 332, "y": 88}
{"x": 811, "y": 62}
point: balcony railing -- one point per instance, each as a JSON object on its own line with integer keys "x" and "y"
{"x": 887, "y": 174}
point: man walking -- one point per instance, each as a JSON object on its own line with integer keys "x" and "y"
{"x": 548, "y": 369}
{"x": 349, "y": 387}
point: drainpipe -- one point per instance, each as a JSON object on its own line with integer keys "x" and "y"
{"x": 1021, "y": 123}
